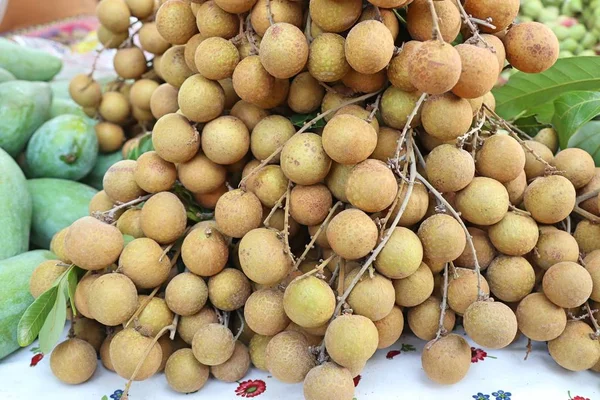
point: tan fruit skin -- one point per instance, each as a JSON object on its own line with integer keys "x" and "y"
{"x": 442, "y": 238}
{"x": 127, "y": 348}
{"x": 176, "y": 14}
{"x": 423, "y": 319}
{"x": 174, "y": 139}
{"x": 490, "y": 324}
{"x": 419, "y": 22}
{"x": 141, "y": 262}
{"x": 328, "y": 381}
{"x": 390, "y": 328}
{"x": 213, "y": 344}
{"x": 303, "y": 159}
{"x": 435, "y": 68}
{"x": 288, "y": 358}
{"x": 540, "y": 319}
{"x": 283, "y": 50}
{"x": 335, "y": 16}
{"x": 574, "y": 349}
{"x": 92, "y": 244}
{"x": 462, "y": 291}
{"x": 236, "y": 367}
{"x": 567, "y": 284}
{"x": 164, "y": 218}
{"x": 401, "y": 256}
{"x": 503, "y": 13}
{"x": 371, "y": 186}
{"x": 510, "y": 278}
{"x": 184, "y": 373}
{"x": 73, "y": 361}
{"x": 352, "y": 234}
{"x": 531, "y": 47}
{"x": 369, "y": 47}
{"x": 414, "y": 289}
{"x": 448, "y": 360}
{"x": 264, "y": 312}
{"x": 200, "y": 99}
{"x": 326, "y": 59}
{"x": 342, "y": 335}
{"x": 262, "y": 256}
{"x": 550, "y": 199}
{"x": 229, "y": 289}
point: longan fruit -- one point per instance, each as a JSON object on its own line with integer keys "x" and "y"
{"x": 306, "y": 94}
{"x": 128, "y": 348}
{"x": 510, "y": 278}
{"x": 277, "y": 95}
{"x": 173, "y": 68}
{"x": 372, "y": 297}
{"x": 110, "y": 136}
{"x": 281, "y": 11}
{"x": 397, "y": 105}
{"x": 201, "y": 175}
{"x": 189, "y": 53}
{"x": 154, "y": 316}
{"x": 419, "y": 22}
{"x": 214, "y": 21}
{"x": 309, "y": 313}
{"x": 462, "y": 289}
{"x": 515, "y": 235}
{"x": 397, "y": 71}
{"x": 238, "y": 212}
{"x": 442, "y": 237}
{"x": 186, "y": 294}
{"x": 112, "y": 299}
{"x": 114, "y": 107}
{"x": 216, "y": 58}
{"x": 348, "y": 139}
{"x": 371, "y": 186}
{"x": 204, "y": 251}
{"x": 114, "y": 15}
{"x": 423, "y": 319}
{"x": 390, "y": 327}
{"x": 264, "y": 312}
{"x": 200, "y": 99}
{"x": 479, "y": 73}
{"x": 484, "y": 250}
{"x": 164, "y": 218}
{"x": 446, "y": 116}
{"x": 533, "y": 167}
{"x": 235, "y": 6}
{"x": 141, "y": 92}
{"x": 225, "y": 140}
{"x": 184, "y": 373}
{"x": 591, "y": 205}
{"x": 447, "y": 360}
{"x": 85, "y": 91}
{"x": 490, "y": 324}
{"x": 141, "y": 9}
{"x": 362, "y": 113}
{"x": 337, "y": 180}
{"x": 309, "y": 205}
{"x": 268, "y": 135}
{"x": 258, "y": 351}
{"x": 82, "y": 295}
{"x": 189, "y": 325}
{"x": 341, "y": 336}
{"x": 516, "y": 188}
{"x": 151, "y": 40}
{"x": 268, "y": 184}
{"x": 387, "y": 139}
{"x": 44, "y": 276}
{"x": 327, "y": 381}
{"x": 153, "y": 174}
{"x": 549, "y": 138}
{"x": 73, "y": 361}
{"x": 554, "y": 247}
{"x": 401, "y": 256}
{"x": 142, "y": 262}
{"x": 130, "y": 223}
{"x": 540, "y": 319}
{"x": 130, "y": 63}
{"x": 531, "y": 47}
{"x": 369, "y": 47}
{"x": 57, "y": 245}
{"x": 263, "y": 256}
{"x": 502, "y": 14}
{"x": 213, "y": 344}
{"x": 229, "y": 289}
{"x": 303, "y": 159}
{"x": 587, "y": 236}
{"x": 111, "y": 40}
{"x": 334, "y": 100}
{"x": 335, "y": 16}
{"x": 283, "y": 50}
{"x": 576, "y": 165}
{"x": 501, "y": 157}
{"x": 435, "y": 67}
{"x": 251, "y": 80}
{"x": 175, "y": 22}
{"x": 567, "y": 284}
{"x": 483, "y": 202}
{"x": 236, "y": 367}
{"x": 574, "y": 349}
{"x": 209, "y": 200}
{"x": 141, "y": 115}
{"x": 174, "y": 139}
{"x": 449, "y": 169}
{"x": 92, "y": 244}
{"x": 416, "y": 208}
{"x": 288, "y": 357}
{"x": 388, "y": 17}
{"x": 352, "y": 234}
{"x": 326, "y": 60}
{"x": 415, "y": 288}
{"x": 550, "y": 199}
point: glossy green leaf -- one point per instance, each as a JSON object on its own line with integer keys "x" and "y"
{"x": 300, "y": 120}
{"x": 55, "y": 321}
{"x": 525, "y": 91}
{"x": 530, "y": 125}
{"x": 71, "y": 286}
{"x": 33, "y": 319}
{"x": 588, "y": 138}
{"x": 572, "y": 111}
{"x": 144, "y": 145}
{"x": 543, "y": 113}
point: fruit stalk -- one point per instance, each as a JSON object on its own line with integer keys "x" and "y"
{"x": 441, "y": 330}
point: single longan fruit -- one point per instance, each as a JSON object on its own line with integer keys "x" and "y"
{"x": 251, "y": 80}
{"x": 110, "y": 136}
{"x": 372, "y": 297}
{"x": 335, "y": 16}
{"x": 141, "y": 9}
{"x": 567, "y": 284}
{"x": 591, "y": 205}
{"x": 288, "y": 357}
{"x": 57, "y": 245}
{"x": 388, "y": 17}
{"x": 236, "y": 367}
{"x": 309, "y": 302}
{"x": 484, "y": 250}
{"x": 164, "y": 218}
{"x": 479, "y": 73}
{"x": 510, "y": 278}
{"x": 283, "y": 50}
{"x": 114, "y": 107}
{"x": 264, "y": 312}
{"x": 442, "y": 237}
{"x": 174, "y": 139}
{"x": 549, "y": 138}
{"x": 82, "y": 293}
{"x": 328, "y": 381}
{"x": 371, "y": 186}
{"x": 304, "y": 160}
{"x": 554, "y": 247}
{"x": 390, "y": 328}
{"x": 340, "y": 340}
{"x": 490, "y": 324}
{"x": 141, "y": 92}
{"x": 201, "y": 175}
{"x": 268, "y": 135}
{"x": 44, "y": 276}
{"x": 446, "y": 116}
{"x": 151, "y": 40}
{"x": 200, "y": 99}
{"x": 231, "y": 96}
{"x": 416, "y": 208}
{"x": 269, "y": 184}
{"x": 214, "y": 21}
{"x": 189, "y": 53}
{"x": 277, "y": 96}
{"x": 225, "y": 140}
{"x": 112, "y": 299}
{"x": 397, "y": 71}
{"x": 130, "y": 63}
{"x": 515, "y": 235}
{"x": 483, "y": 202}
{"x": 531, "y": 47}
{"x": 235, "y": 6}
{"x": 352, "y": 234}
{"x": 258, "y": 351}
{"x": 189, "y": 325}
{"x": 309, "y": 205}
{"x": 516, "y": 188}
{"x": 154, "y": 316}
{"x": 337, "y": 180}
{"x": 447, "y": 360}
{"x": 263, "y": 256}
{"x": 361, "y": 113}
{"x": 173, "y": 68}
{"x": 533, "y": 167}
{"x": 209, "y": 200}
{"x": 401, "y": 256}
{"x": 369, "y": 47}
{"x": 419, "y": 22}
{"x": 281, "y": 11}
{"x": 449, "y": 169}
{"x": 204, "y": 251}
{"x": 414, "y": 289}
{"x": 397, "y": 105}
{"x": 85, "y": 91}
{"x": 587, "y": 236}
{"x": 423, "y": 319}
{"x": 550, "y": 199}
{"x": 111, "y": 40}
{"x": 175, "y": 22}
{"x": 462, "y": 289}
{"x": 238, "y": 212}
{"x": 574, "y": 349}
{"x": 540, "y": 319}
{"x": 576, "y": 165}
{"x": 92, "y": 244}
{"x": 128, "y": 348}
{"x": 142, "y": 262}
{"x": 502, "y": 14}
{"x": 216, "y": 58}
{"x": 435, "y": 67}
{"x": 153, "y": 174}
{"x": 73, "y": 361}
{"x": 229, "y": 289}
{"x": 387, "y": 139}
{"x": 348, "y": 139}
{"x": 114, "y": 15}
{"x": 501, "y": 157}
{"x": 306, "y": 94}
{"x": 184, "y": 373}
{"x": 186, "y": 294}
{"x": 327, "y": 60}
{"x": 213, "y": 344}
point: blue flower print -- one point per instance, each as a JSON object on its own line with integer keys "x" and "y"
{"x": 502, "y": 395}
{"x": 116, "y": 395}
{"x": 481, "y": 396}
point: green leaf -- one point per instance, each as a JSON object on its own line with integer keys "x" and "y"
{"x": 300, "y": 120}
{"x": 530, "y": 125}
{"x": 71, "y": 286}
{"x": 588, "y": 138}
{"x": 543, "y": 113}
{"x": 525, "y": 91}
{"x": 33, "y": 319}
{"x": 127, "y": 239}
{"x": 55, "y": 321}
{"x": 572, "y": 111}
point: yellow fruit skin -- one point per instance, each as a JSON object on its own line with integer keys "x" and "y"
{"x": 127, "y": 348}
{"x": 369, "y": 47}
{"x": 176, "y": 14}
{"x": 401, "y": 256}
{"x": 184, "y": 373}
{"x": 490, "y": 324}
{"x": 327, "y": 60}
{"x": 200, "y": 99}
{"x": 550, "y": 199}
{"x": 567, "y": 284}
{"x": 114, "y": 15}
{"x": 315, "y": 312}
{"x": 216, "y": 58}
{"x": 342, "y": 335}
{"x": 283, "y": 50}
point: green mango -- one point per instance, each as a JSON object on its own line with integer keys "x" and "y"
{"x": 15, "y": 208}
{"x": 6, "y": 76}
{"x": 103, "y": 163}
{"x": 67, "y": 106}
{"x": 57, "y": 203}
{"x": 24, "y": 107}
{"x": 26, "y": 63}
{"x": 14, "y": 296}
{"x": 65, "y": 147}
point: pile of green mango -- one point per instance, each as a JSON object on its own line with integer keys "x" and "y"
{"x": 576, "y": 23}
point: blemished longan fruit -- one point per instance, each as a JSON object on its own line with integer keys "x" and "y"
{"x": 550, "y": 199}
{"x": 337, "y": 179}
{"x": 258, "y": 351}
{"x": 415, "y": 288}
{"x": 352, "y": 234}
{"x": 189, "y": 53}
{"x": 574, "y": 349}
{"x": 268, "y": 134}
{"x": 251, "y": 80}
{"x": 309, "y": 301}
{"x": 151, "y": 41}
{"x": 348, "y": 139}
{"x": 141, "y": 92}
{"x": 186, "y": 294}
{"x": 306, "y": 94}
{"x": 143, "y": 263}
{"x": 262, "y": 256}
{"x": 236, "y": 367}
{"x": 435, "y": 67}
{"x": 448, "y": 360}
{"x": 153, "y": 174}
{"x": 567, "y": 284}
{"x": 510, "y": 278}
{"x": 397, "y": 71}
{"x": 446, "y": 116}
{"x": 533, "y": 167}
{"x": 479, "y": 73}
{"x": 442, "y": 237}
{"x": 334, "y": 16}
{"x": 449, "y": 169}
{"x": 288, "y": 358}
{"x": 238, "y": 212}
{"x": 264, "y": 312}
{"x": 92, "y": 244}
{"x": 516, "y": 188}
{"x": 416, "y": 208}
{"x": 229, "y": 289}
{"x": 225, "y": 140}
{"x": 213, "y": 344}
{"x": 110, "y": 136}
{"x": 189, "y": 325}
{"x": 73, "y": 361}
{"x": 390, "y": 327}
{"x": 174, "y": 139}
{"x": 549, "y": 138}
{"x": 204, "y": 251}
{"x": 540, "y": 319}
{"x": 303, "y": 159}
{"x": 340, "y": 340}
{"x": 327, "y": 60}
{"x": 128, "y": 348}
{"x": 173, "y": 68}
{"x": 490, "y": 324}
{"x": 176, "y": 22}
{"x": 235, "y": 6}
{"x": 372, "y": 297}
{"x": 369, "y": 47}
{"x": 423, "y": 319}
{"x": 82, "y": 295}
{"x": 111, "y": 40}
{"x": 114, "y": 107}
{"x": 154, "y": 316}
{"x": 201, "y": 175}
{"x": 328, "y": 381}
{"x": 214, "y": 21}
{"x": 281, "y": 10}
{"x": 515, "y": 235}
{"x": 587, "y": 236}
{"x": 483, "y": 202}
{"x": 164, "y": 218}
{"x": 57, "y": 245}
{"x": 502, "y": 14}
{"x": 401, "y": 256}
{"x": 112, "y": 299}
{"x": 531, "y": 47}
{"x": 309, "y": 205}
{"x": 554, "y": 247}
{"x": 216, "y": 58}
{"x": 371, "y": 186}
{"x": 484, "y": 250}
{"x": 130, "y": 63}
{"x": 576, "y": 165}
{"x": 269, "y": 184}
{"x": 184, "y": 373}
{"x": 200, "y": 99}
{"x": 397, "y": 105}
{"x": 462, "y": 289}
{"x": 283, "y": 50}
{"x": 44, "y": 276}
{"x": 420, "y": 25}
{"x": 85, "y": 91}
{"x": 114, "y": 15}
{"x": 130, "y": 223}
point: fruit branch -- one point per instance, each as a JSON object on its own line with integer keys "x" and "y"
{"x": 307, "y": 29}
{"x": 374, "y": 106}
{"x": 250, "y": 36}
{"x": 472, "y": 27}
{"x": 276, "y": 207}
{"x": 436, "y": 33}
{"x": 269, "y": 13}
{"x": 242, "y": 325}
{"x": 335, "y": 272}
{"x": 441, "y": 330}
{"x": 460, "y": 141}
{"x": 142, "y": 306}
{"x": 286, "y": 225}
{"x": 318, "y": 268}
{"x": 109, "y": 215}
{"x": 409, "y": 120}
{"x": 387, "y": 217}
{"x": 590, "y": 313}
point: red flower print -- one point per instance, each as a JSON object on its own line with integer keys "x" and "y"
{"x": 477, "y": 355}
{"x": 580, "y": 398}
{"x": 391, "y": 354}
{"x": 357, "y": 379}
{"x": 36, "y": 359}
{"x": 251, "y": 388}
